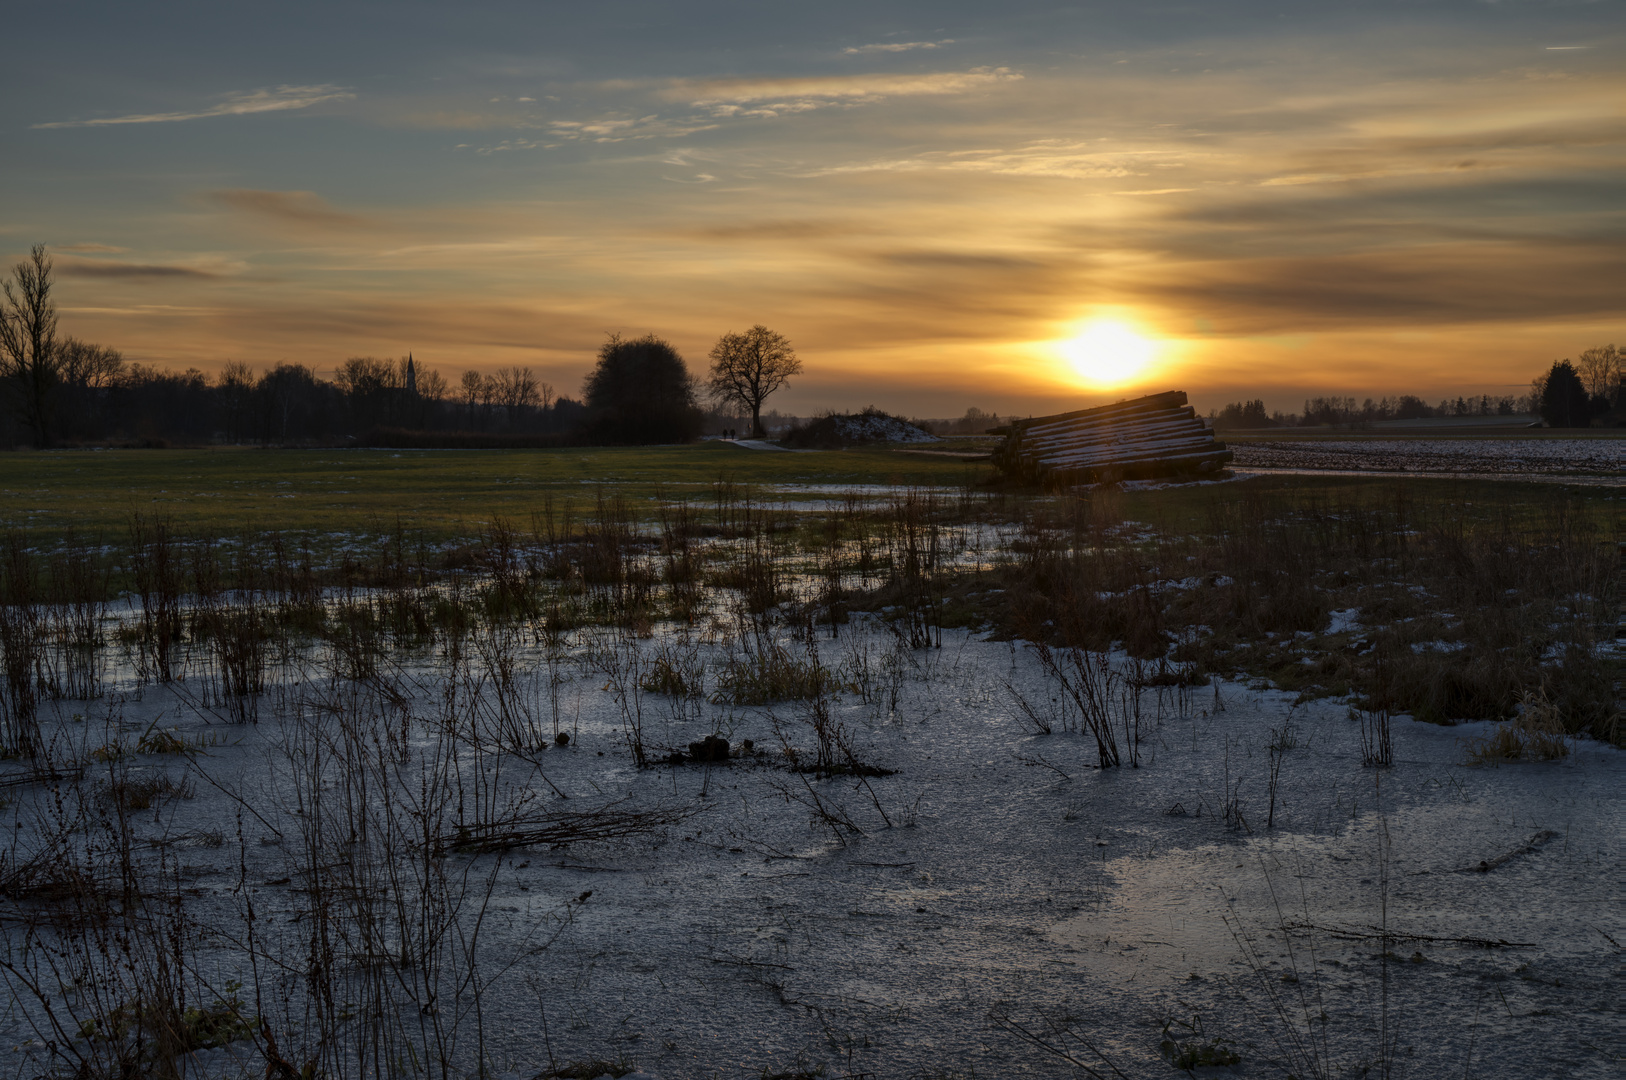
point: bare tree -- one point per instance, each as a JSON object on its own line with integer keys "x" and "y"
{"x": 420, "y": 397}
{"x": 80, "y": 399}
{"x": 236, "y": 390}
{"x": 368, "y": 385}
{"x": 1531, "y": 403}
{"x": 292, "y": 395}
{"x": 516, "y": 389}
{"x": 488, "y": 398}
{"x": 93, "y": 367}
{"x": 1599, "y": 369}
{"x": 746, "y": 368}
{"x": 469, "y": 387}
{"x": 28, "y": 345}
{"x": 431, "y": 386}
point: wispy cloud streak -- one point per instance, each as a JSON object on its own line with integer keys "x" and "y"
{"x": 137, "y": 271}
{"x": 1043, "y": 157}
{"x": 276, "y": 99}
{"x": 839, "y": 87}
{"x": 895, "y": 47}
{"x": 289, "y": 208}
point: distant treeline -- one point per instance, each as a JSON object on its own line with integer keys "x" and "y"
{"x": 1566, "y": 395}
{"x": 100, "y": 398}
{"x": 57, "y": 390}
{"x": 96, "y": 397}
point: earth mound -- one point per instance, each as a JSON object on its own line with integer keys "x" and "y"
{"x": 838, "y": 430}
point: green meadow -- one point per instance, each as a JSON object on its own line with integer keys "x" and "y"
{"x": 452, "y": 494}
{"x": 443, "y": 493}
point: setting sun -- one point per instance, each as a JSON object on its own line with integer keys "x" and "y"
{"x": 1108, "y": 353}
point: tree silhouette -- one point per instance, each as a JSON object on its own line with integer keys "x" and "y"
{"x": 1600, "y": 370}
{"x": 746, "y": 368}
{"x": 1564, "y": 399}
{"x": 28, "y": 345}
{"x": 640, "y": 392}
{"x": 469, "y": 392}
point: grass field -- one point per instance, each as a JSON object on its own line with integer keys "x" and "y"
{"x": 444, "y": 493}
{"x": 451, "y": 494}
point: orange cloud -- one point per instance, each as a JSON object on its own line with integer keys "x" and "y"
{"x": 289, "y": 208}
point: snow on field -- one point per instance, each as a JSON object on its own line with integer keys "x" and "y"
{"x": 999, "y": 873}
{"x": 868, "y": 427}
{"x": 1518, "y": 456}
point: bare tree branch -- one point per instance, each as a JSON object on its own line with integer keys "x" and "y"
{"x": 29, "y": 350}
{"x": 746, "y": 368}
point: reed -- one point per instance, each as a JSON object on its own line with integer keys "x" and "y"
{"x": 78, "y": 586}
{"x": 21, "y": 648}
{"x": 156, "y": 568}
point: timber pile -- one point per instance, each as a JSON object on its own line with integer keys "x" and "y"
{"x": 1153, "y": 436}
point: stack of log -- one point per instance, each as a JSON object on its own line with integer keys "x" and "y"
{"x": 1150, "y": 437}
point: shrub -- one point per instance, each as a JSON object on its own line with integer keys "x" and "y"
{"x": 640, "y": 393}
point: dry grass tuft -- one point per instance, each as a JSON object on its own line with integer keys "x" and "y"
{"x": 1537, "y": 733}
{"x": 772, "y": 673}
{"x": 591, "y": 1069}
{"x": 143, "y": 793}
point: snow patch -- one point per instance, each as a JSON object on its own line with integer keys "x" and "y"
{"x": 853, "y": 429}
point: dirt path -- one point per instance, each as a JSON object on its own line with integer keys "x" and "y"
{"x": 763, "y": 444}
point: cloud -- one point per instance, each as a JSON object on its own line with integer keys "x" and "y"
{"x": 724, "y": 99}
{"x": 896, "y": 47}
{"x": 453, "y": 120}
{"x": 135, "y": 271}
{"x": 1378, "y": 173}
{"x": 104, "y": 248}
{"x": 609, "y": 129}
{"x": 962, "y": 260}
{"x": 472, "y": 328}
{"x": 1042, "y": 157}
{"x": 776, "y": 230}
{"x": 277, "y": 99}
{"x": 837, "y": 88}
{"x": 289, "y": 207}
{"x": 1420, "y": 286}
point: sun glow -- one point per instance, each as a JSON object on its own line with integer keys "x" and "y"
{"x": 1108, "y": 353}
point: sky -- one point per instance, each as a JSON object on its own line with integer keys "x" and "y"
{"x": 1021, "y": 207}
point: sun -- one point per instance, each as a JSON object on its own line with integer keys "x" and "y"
{"x": 1108, "y": 353}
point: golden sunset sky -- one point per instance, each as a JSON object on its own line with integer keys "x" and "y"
{"x": 931, "y": 200}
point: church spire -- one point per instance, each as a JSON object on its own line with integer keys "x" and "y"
{"x": 411, "y": 376}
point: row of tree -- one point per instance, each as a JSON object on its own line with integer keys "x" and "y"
{"x": 63, "y": 390}
{"x": 640, "y": 390}
{"x": 1347, "y": 411}
{"x": 1573, "y": 395}
{"x": 1566, "y": 395}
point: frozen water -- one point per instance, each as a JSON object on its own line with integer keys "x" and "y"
{"x": 997, "y": 867}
